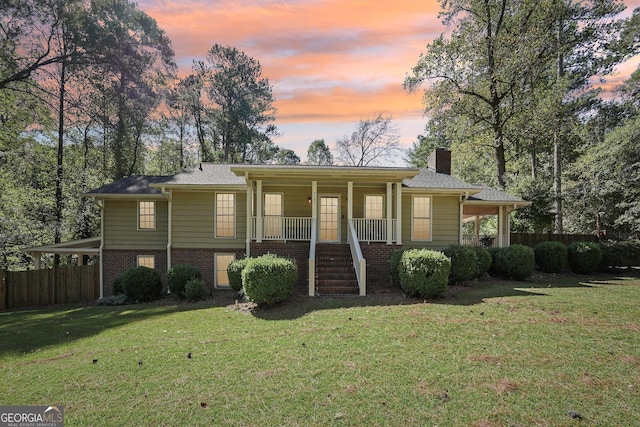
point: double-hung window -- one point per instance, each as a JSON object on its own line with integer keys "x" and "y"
{"x": 146, "y": 215}
{"x": 421, "y": 218}
{"x": 225, "y": 225}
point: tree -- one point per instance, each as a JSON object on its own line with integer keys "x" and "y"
{"x": 243, "y": 98}
{"x": 480, "y": 68}
{"x": 373, "y": 140}
{"x": 287, "y": 157}
{"x": 319, "y": 154}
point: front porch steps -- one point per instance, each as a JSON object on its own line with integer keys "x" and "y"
{"x": 334, "y": 271}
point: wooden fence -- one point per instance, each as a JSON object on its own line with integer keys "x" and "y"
{"x": 532, "y": 240}
{"x": 59, "y": 285}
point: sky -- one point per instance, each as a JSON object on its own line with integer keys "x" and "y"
{"x": 331, "y": 62}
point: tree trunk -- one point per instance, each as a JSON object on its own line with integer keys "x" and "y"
{"x": 57, "y": 238}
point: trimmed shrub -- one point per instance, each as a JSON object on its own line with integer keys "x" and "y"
{"x": 493, "y": 251}
{"x": 464, "y": 263}
{"x": 515, "y": 262}
{"x": 194, "y": 289}
{"x": 424, "y": 273}
{"x": 116, "y": 288}
{"x": 584, "y": 257}
{"x": 620, "y": 254}
{"x": 269, "y": 279}
{"x": 234, "y": 273}
{"x": 484, "y": 261}
{"x": 551, "y": 257}
{"x": 178, "y": 276}
{"x": 142, "y": 284}
{"x": 394, "y": 265}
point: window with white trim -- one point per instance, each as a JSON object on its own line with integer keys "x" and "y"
{"x": 146, "y": 215}
{"x": 374, "y": 206}
{"x": 148, "y": 261}
{"x": 421, "y": 218}
{"x": 221, "y": 262}
{"x": 273, "y": 215}
{"x": 225, "y": 215}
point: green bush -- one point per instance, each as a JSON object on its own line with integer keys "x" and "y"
{"x": 269, "y": 279}
{"x": 424, "y": 273}
{"x": 484, "y": 261}
{"x": 194, "y": 289}
{"x": 142, "y": 284}
{"x": 515, "y": 262}
{"x": 116, "y": 288}
{"x": 620, "y": 254}
{"x": 584, "y": 257}
{"x": 551, "y": 257}
{"x": 493, "y": 251}
{"x": 394, "y": 265}
{"x": 178, "y": 276}
{"x": 464, "y": 263}
{"x": 234, "y": 273}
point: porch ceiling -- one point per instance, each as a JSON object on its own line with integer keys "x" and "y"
{"x": 303, "y": 175}
{"x": 84, "y": 246}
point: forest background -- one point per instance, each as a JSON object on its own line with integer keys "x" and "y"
{"x": 90, "y": 93}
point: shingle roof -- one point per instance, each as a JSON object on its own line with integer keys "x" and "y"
{"x": 206, "y": 174}
{"x": 134, "y": 184}
{"x": 430, "y": 179}
{"x": 489, "y": 194}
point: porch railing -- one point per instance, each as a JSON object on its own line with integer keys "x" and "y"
{"x": 359, "y": 263}
{"x": 373, "y": 230}
{"x": 283, "y": 228}
{"x": 484, "y": 240}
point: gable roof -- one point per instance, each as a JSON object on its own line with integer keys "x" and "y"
{"x": 212, "y": 175}
{"x": 131, "y": 185}
{"x": 430, "y": 179}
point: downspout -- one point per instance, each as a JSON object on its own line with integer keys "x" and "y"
{"x": 169, "y": 228}
{"x": 463, "y": 198}
{"x": 101, "y": 206}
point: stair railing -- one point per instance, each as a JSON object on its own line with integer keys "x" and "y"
{"x": 359, "y": 263}
{"x": 312, "y": 260}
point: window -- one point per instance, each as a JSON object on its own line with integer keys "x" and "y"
{"x": 225, "y": 215}
{"x": 374, "y": 206}
{"x": 272, "y": 215}
{"x": 146, "y": 215}
{"x": 221, "y": 262}
{"x": 421, "y": 215}
{"x": 148, "y": 261}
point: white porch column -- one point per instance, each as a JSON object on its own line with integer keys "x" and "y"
{"x": 314, "y": 200}
{"x": 259, "y": 211}
{"x": 398, "y": 213}
{"x": 501, "y": 226}
{"x": 507, "y": 227}
{"x": 169, "y": 227}
{"x": 249, "y": 215}
{"x": 349, "y": 200}
{"x": 389, "y": 214}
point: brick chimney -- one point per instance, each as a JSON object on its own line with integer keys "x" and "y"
{"x": 440, "y": 160}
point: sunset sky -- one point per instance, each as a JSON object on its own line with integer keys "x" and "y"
{"x": 330, "y": 62}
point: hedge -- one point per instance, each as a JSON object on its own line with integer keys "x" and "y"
{"x": 424, "y": 273}
{"x": 269, "y": 279}
{"x": 178, "y": 276}
{"x": 234, "y": 273}
{"x": 551, "y": 257}
{"x": 464, "y": 263}
{"x": 142, "y": 284}
{"x": 514, "y": 262}
{"x": 584, "y": 257}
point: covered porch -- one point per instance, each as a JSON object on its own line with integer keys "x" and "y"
{"x": 488, "y": 203}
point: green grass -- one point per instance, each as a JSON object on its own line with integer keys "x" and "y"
{"x": 497, "y": 353}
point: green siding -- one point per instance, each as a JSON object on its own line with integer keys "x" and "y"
{"x": 193, "y": 219}
{"x": 445, "y": 222}
{"x": 121, "y": 226}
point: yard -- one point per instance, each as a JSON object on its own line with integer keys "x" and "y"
{"x": 556, "y": 351}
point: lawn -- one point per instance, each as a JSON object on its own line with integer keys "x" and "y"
{"x": 552, "y": 351}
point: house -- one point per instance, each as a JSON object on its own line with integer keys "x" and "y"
{"x": 339, "y": 223}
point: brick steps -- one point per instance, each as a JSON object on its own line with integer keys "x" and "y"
{"x": 334, "y": 271}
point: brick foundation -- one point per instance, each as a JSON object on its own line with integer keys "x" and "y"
{"x": 202, "y": 259}
{"x": 295, "y": 250}
{"x": 378, "y": 275}
{"x": 117, "y": 261}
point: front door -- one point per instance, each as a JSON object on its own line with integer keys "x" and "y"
{"x": 329, "y": 219}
